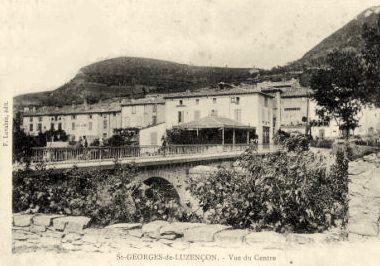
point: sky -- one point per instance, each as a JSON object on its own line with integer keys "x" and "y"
{"x": 45, "y": 42}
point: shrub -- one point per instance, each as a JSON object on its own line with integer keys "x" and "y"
{"x": 322, "y": 143}
{"x": 107, "y": 196}
{"x": 292, "y": 191}
{"x": 292, "y": 141}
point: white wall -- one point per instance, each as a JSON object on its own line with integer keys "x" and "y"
{"x": 253, "y": 111}
{"x": 82, "y": 124}
{"x": 152, "y": 135}
{"x": 142, "y": 115}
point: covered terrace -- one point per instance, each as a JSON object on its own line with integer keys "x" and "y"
{"x": 217, "y": 130}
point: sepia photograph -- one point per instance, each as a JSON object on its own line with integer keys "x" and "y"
{"x": 201, "y": 132}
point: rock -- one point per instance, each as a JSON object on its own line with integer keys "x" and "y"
{"x": 71, "y": 237}
{"x": 203, "y": 233}
{"x": 45, "y": 219}
{"x": 22, "y": 220}
{"x": 20, "y": 236}
{"x": 177, "y": 228}
{"x": 50, "y": 241}
{"x": 37, "y": 228}
{"x": 135, "y": 233}
{"x": 52, "y": 234}
{"x": 169, "y": 236}
{"x": 153, "y": 229}
{"x": 71, "y": 223}
{"x": 363, "y": 227}
{"x": 264, "y": 236}
{"x": 125, "y": 226}
{"x": 231, "y": 236}
{"x": 59, "y": 224}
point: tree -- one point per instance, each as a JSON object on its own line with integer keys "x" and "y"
{"x": 338, "y": 89}
{"x": 371, "y": 55}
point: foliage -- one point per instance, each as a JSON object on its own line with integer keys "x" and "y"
{"x": 123, "y": 136}
{"x": 107, "y": 196}
{"x": 294, "y": 141}
{"x": 322, "y": 143}
{"x": 338, "y": 89}
{"x": 23, "y": 143}
{"x": 292, "y": 191}
{"x": 371, "y": 55}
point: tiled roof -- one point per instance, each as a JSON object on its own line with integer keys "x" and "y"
{"x": 212, "y": 122}
{"x": 248, "y": 89}
{"x": 142, "y": 101}
{"x": 104, "y": 107}
{"x": 296, "y": 92}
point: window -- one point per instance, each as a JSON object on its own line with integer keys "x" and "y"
{"x": 39, "y": 127}
{"x": 266, "y": 102}
{"x": 59, "y": 126}
{"x": 72, "y": 126}
{"x": 214, "y": 112}
{"x": 30, "y": 119}
{"x": 213, "y": 100}
{"x": 31, "y": 127}
{"x": 89, "y": 125}
{"x": 40, "y": 119}
{"x": 235, "y": 100}
{"x": 73, "y": 117}
{"x": 52, "y": 118}
{"x": 197, "y": 114}
{"x": 238, "y": 115}
{"x": 104, "y": 135}
{"x": 180, "y": 116}
{"x": 51, "y": 126}
{"x": 133, "y": 109}
{"x": 155, "y": 108}
{"x": 90, "y": 116}
{"x": 196, "y": 101}
{"x": 56, "y": 118}
{"x": 104, "y": 124}
{"x": 154, "y": 120}
{"x": 114, "y": 114}
{"x": 180, "y": 102}
{"x": 292, "y": 109}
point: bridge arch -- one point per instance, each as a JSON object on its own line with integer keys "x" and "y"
{"x": 163, "y": 187}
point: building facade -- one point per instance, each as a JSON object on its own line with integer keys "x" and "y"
{"x": 78, "y": 121}
{"x": 246, "y": 105}
{"x": 141, "y": 113}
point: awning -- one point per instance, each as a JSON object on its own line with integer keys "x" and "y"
{"x": 213, "y": 122}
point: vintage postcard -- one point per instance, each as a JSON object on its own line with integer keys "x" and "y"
{"x": 190, "y": 132}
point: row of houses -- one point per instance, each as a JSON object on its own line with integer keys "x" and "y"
{"x": 245, "y": 109}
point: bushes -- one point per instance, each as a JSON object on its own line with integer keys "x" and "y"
{"x": 292, "y": 141}
{"x": 322, "y": 143}
{"x": 107, "y": 196}
{"x": 285, "y": 192}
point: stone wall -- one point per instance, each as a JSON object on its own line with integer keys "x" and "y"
{"x": 69, "y": 233}
{"x": 364, "y": 197}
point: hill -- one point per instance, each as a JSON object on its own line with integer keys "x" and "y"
{"x": 347, "y": 37}
{"x": 133, "y": 77}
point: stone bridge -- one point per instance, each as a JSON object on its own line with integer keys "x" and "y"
{"x": 168, "y": 172}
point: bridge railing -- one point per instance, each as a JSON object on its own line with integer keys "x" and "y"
{"x": 70, "y": 154}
